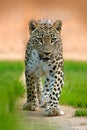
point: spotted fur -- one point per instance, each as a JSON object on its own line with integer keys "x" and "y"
{"x": 44, "y": 56}
{"x": 36, "y": 66}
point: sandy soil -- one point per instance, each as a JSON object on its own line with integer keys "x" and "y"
{"x": 66, "y": 122}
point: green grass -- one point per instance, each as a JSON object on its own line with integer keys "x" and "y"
{"x": 10, "y": 90}
{"x": 81, "y": 112}
{"x": 75, "y": 89}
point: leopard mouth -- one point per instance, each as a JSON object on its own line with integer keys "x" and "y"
{"x": 44, "y": 58}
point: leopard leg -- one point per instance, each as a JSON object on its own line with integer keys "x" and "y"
{"x": 45, "y": 93}
{"x": 32, "y": 100}
{"x": 56, "y": 83}
{"x": 39, "y": 89}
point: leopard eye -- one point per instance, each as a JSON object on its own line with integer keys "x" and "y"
{"x": 53, "y": 40}
{"x": 40, "y": 40}
{"x": 42, "y": 35}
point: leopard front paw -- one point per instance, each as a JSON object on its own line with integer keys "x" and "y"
{"x": 31, "y": 106}
{"x": 53, "y": 111}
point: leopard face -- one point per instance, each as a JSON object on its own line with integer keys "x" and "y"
{"x": 45, "y": 36}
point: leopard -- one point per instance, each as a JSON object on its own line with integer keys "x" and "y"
{"x": 44, "y": 60}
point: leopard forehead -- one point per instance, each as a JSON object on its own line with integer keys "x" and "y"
{"x": 45, "y": 24}
{"x": 45, "y": 27}
{"x": 45, "y": 21}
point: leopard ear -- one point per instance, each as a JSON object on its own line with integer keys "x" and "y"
{"x": 32, "y": 25}
{"x": 58, "y": 25}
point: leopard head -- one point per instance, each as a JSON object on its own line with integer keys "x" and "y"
{"x": 45, "y": 37}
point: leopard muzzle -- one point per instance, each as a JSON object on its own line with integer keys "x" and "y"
{"x": 45, "y": 56}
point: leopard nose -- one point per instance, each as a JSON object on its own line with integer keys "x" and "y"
{"x": 47, "y": 53}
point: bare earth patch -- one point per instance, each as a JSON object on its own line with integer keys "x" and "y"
{"x": 66, "y": 122}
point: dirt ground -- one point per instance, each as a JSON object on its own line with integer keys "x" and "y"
{"x": 66, "y": 122}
